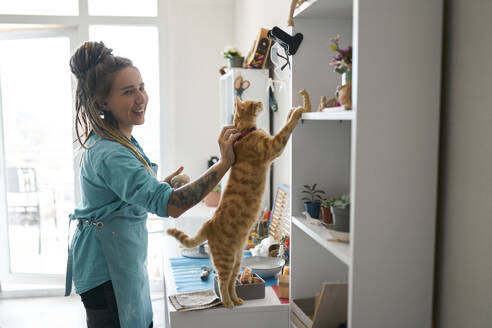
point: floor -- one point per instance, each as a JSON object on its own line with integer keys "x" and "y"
{"x": 54, "y": 312}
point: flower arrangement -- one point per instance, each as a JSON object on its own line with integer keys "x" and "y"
{"x": 231, "y": 51}
{"x": 342, "y": 62}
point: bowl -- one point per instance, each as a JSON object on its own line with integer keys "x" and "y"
{"x": 265, "y": 267}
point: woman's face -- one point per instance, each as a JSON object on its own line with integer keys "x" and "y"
{"x": 127, "y": 100}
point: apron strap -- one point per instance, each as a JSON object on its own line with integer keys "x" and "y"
{"x": 68, "y": 277}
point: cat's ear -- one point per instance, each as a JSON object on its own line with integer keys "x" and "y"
{"x": 238, "y": 100}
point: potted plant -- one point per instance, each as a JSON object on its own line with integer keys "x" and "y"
{"x": 326, "y": 211}
{"x": 313, "y": 202}
{"x": 212, "y": 199}
{"x": 233, "y": 56}
{"x": 285, "y": 242}
{"x": 340, "y": 209}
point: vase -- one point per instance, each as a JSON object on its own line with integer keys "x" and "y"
{"x": 235, "y": 62}
{"x": 341, "y": 218}
{"x": 326, "y": 215}
{"x": 312, "y": 209}
{"x": 346, "y": 77}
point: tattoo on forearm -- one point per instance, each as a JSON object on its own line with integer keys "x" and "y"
{"x": 191, "y": 194}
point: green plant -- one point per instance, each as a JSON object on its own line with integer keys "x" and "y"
{"x": 313, "y": 193}
{"x": 326, "y": 203}
{"x": 231, "y": 51}
{"x": 336, "y": 201}
{"x": 216, "y": 188}
{"x": 341, "y": 201}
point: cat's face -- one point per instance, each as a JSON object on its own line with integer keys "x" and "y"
{"x": 247, "y": 110}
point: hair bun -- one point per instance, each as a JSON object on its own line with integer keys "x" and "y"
{"x": 87, "y": 56}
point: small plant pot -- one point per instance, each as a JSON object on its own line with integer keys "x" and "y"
{"x": 341, "y": 218}
{"x": 326, "y": 215}
{"x": 212, "y": 199}
{"x": 312, "y": 209}
{"x": 235, "y": 62}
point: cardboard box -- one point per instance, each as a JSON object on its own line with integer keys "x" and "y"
{"x": 283, "y": 286}
{"x": 258, "y": 56}
{"x": 329, "y": 312}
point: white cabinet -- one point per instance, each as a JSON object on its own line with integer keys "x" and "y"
{"x": 384, "y": 153}
{"x": 255, "y": 89}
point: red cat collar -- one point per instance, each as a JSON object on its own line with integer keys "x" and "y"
{"x": 244, "y": 134}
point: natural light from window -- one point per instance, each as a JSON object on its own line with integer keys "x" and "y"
{"x": 37, "y": 114}
{"x": 123, "y": 8}
{"x": 36, "y": 7}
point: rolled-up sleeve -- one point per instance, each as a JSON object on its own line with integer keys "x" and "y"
{"x": 128, "y": 178}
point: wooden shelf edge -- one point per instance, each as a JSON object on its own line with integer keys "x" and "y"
{"x": 335, "y": 113}
{"x": 303, "y": 7}
{"x": 320, "y": 236}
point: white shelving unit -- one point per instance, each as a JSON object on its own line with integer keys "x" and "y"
{"x": 336, "y": 113}
{"x": 323, "y": 237}
{"x": 383, "y": 153}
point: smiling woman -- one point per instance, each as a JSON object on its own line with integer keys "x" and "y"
{"x": 127, "y": 100}
{"x": 140, "y": 43}
{"x": 107, "y": 257}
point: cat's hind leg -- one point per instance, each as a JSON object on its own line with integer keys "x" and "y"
{"x": 235, "y": 271}
{"x": 223, "y": 263}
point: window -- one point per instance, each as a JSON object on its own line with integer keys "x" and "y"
{"x": 123, "y": 7}
{"x": 35, "y": 87}
{"x": 36, "y": 7}
{"x": 38, "y": 165}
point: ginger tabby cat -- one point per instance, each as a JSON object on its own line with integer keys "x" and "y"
{"x": 227, "y": 231}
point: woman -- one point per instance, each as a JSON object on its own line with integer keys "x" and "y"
{"x": 109, "y": 248}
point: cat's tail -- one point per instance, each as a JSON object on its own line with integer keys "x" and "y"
{"x": 185, "y": 239}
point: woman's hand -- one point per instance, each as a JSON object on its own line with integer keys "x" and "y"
{"x": 169, "y": 178}
{"x": 226, "y": 140}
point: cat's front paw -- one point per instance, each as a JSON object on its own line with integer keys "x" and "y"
{"x": 300, "y": 110}
{"x": 228, "y": 304}
{"x": 297, "y": 113}
{"x": 238, "y": 301}
{"x": 294, "y": 114}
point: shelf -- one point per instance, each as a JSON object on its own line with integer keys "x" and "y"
{"x": 336, "y": 9}
{"x": 334, "y": 113}
{"x": 321, "y": 235}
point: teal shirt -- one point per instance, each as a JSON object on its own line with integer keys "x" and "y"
{"x": 113, "y": 182}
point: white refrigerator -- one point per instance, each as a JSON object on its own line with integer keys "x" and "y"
{"x": 249, "y": 84}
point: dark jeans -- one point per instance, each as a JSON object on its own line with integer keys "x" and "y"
{"x": 100, "y": 307}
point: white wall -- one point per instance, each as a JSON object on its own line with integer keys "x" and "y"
{"x": 198, "y": 32}
{"x": 464, "y": 242}
{"x": 251, "y": 15}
